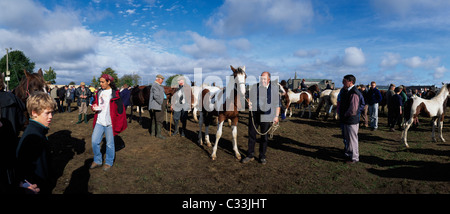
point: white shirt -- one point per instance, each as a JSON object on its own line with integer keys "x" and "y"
{"x": 104, "y": 118}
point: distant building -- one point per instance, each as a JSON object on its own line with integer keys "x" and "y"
{"x": 295, "y": 83}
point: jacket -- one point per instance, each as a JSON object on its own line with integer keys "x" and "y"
{"x": 33, "y": 156}
{"x": 116, "y": 110}
{"x": 156, "y": 97}
{"x": 79, "y": 92}
{"x": 349, "y": 111}
{"x": 12, "y": 109}
{"x": 374, "y": 96}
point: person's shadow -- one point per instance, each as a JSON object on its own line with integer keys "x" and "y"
{"x": 63, "y": 147}
{"x": 80, "y": 179}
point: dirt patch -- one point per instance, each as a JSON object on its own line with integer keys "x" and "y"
{"x": 305, "y": 156}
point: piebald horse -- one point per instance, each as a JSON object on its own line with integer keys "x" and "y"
{"x": 303, "y": 98}
{"x": 217, "y": 103}
{"x": 434, "y": 108}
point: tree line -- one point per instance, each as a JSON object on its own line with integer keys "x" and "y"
{"x": 18, "y": 61}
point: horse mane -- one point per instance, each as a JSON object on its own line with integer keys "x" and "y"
{"x": 446, "y": 86}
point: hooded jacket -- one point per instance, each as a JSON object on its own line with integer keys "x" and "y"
{"x": 116, "y": 110}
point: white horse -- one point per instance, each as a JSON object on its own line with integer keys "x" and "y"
{"x": 434, "y": 108}
{"x": 329, "y": 98}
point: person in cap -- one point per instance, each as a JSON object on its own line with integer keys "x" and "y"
{"x": 82, "y": 94}
{"x": 155, "y": 104}
{"x": 181, "y": 103}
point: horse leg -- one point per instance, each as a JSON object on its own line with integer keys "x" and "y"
{"x": 218, "y": 135}
{"x": 309, "y": 109}
{"x": 303, "y": 110}
{"x": 406, "y": 126}
{"x": 131, "y": 114}
{"x": 194, "y": 114}
{"x": 140, "y": 115}
{"x": 441, "y": 124}
{"x": 200, "y": 124}
{"x": 433, "y": 137}
{"x": 235, "y": 148}
{"x": 208, "y": 143}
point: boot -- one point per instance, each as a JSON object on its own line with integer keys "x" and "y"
{"x": 158, "y": 131}
{"x": 152, "y": 128}
{"x": 79, "y": 118}
{"x": 85, "y": 118}
{"x": 176, "y": 128}
{"x": 182, "y": 131}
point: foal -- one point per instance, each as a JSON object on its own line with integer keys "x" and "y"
{"x": 434, "y": 108}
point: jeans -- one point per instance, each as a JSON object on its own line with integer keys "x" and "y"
{"x": 373, "y": 116}
{"x": 97, "y": 136}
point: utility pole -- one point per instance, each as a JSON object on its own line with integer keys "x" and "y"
{"x": 7, "y": 71}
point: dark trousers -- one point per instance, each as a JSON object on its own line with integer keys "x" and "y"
{"x": 156, "y": 116}
{"x": 264, "y": 126}
{"x": 396, "y": 119}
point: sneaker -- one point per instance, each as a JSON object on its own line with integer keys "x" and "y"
{"x": 106, "y": 167}
{"x": 247, "y": 159}
{"x": 95, "y": 165}
{"x": 263, "y": 161}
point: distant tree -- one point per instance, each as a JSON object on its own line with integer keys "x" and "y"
{"x": 111, "y": 72}
{"x": 95, "y": 82}
{"x": 130, "y": 79}
{"x": 17, "y": 62}
{"x": 169, "y": 80}
{"x": 72, "y": 83}
{"x": 50, "y": 75}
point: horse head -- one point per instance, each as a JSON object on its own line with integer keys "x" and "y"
{"x": 314, "y": 88}
{"x": 239, "y": 77}
{"x": 32, "y": 82}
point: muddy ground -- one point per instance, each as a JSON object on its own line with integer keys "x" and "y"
{"x": 305, "y": 156}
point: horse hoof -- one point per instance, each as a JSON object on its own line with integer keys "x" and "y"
{"x": 213, "y": 158}
{"x": 238, "y": 158}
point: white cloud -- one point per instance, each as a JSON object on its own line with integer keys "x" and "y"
{"x": 354, "y": 57}
{"x": 307, "y": 53}
{"x": 237, "y": 17}
{"x": 204, "y": 47}
{"x": 439, "y": 72}
{"x": 414, "y": 13}
{"x": 390, "y": 60}
{"x": 418, "y": 62}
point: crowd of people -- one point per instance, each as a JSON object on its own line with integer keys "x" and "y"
{"x": 30, "y": 170}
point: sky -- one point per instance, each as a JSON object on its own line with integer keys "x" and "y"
{"x": 401, "y": 42}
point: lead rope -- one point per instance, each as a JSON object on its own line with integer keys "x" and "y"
{"x": 271, "y": 129}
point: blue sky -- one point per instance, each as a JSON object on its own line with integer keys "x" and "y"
{"x": 402, "y": 41}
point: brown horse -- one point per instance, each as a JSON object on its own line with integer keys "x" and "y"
{"x": 228, "y": 109}
{"x": 140, "y": 96}
{"x": 31, "y": 83}
{"x": 303, "y": 98}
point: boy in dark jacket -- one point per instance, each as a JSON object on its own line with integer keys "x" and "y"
{"x": 395, "y": 108}
{"x": 32, "y": 152}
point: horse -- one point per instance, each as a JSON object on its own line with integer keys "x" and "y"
{"x": 139, "y": 96}
{"x": 304, "y": 97}
{"x": 229, "y": 109}
{"x": 328, "y": 98}
{"x": 196, "y": 93}
{"x": 31, "y": 82}
{"x": 434, "y": 108}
